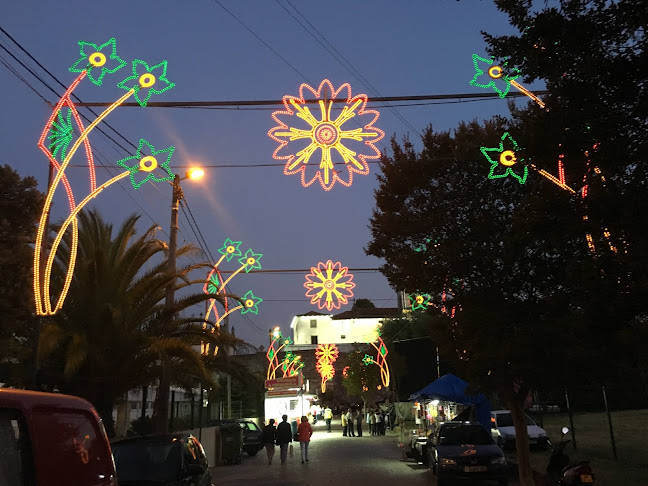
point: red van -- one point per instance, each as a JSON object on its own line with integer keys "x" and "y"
{"x": 47, "y": 439}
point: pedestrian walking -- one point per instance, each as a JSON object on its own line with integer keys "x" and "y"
{"x": 344, "y": 423}
{"x": 284, "y": 438}
{"x": 269, "y": 439}
{"x": 372, "y": 426}
{"x": 351, "y": 423}
{"x": 304, "y": 433}
{"x": 359, "y": 419}
{"x": 328, "y": 416}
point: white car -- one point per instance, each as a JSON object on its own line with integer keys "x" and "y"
{"x": 503, "y": 430}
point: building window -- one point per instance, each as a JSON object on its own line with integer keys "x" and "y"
{"x": 313, "y": 323}
{"x": 134, "y": 405}
{"x": 313, "y": 339}
{"x": 343, "y": 336}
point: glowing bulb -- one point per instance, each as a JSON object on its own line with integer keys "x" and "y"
{"x": 195, "y": 173}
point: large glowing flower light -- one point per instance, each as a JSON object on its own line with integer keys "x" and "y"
{"x": 326, "y": 355}
{"x": 59, "y": 144}
{"x": 324, "y": 133}
{"x": 329, "y": 285}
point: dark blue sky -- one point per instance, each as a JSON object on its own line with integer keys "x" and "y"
{"x": 402, "y": 48}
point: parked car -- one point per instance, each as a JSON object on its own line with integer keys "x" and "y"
{"x": 464, "y": 450}
{"x": 161, "y": 459}
{"x": 50, "y": 439}
{"x": 252, "y": 434}
{"x": 503, "y": 431}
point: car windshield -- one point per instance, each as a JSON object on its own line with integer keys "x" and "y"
{"x": 252, "y": 426}
{"x": 506, "y": 420}
{"x": 147, "y": 461}
{"x": 464, "y": 434}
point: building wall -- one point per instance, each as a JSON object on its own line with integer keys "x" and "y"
{"x": 339, "y": 331}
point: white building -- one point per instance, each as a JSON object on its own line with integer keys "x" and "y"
{"x": 358, "y": 325}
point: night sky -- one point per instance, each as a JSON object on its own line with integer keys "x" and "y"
{"x": 396, "y": 48}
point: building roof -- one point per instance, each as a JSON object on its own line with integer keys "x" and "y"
{"x": 364, "y": 313}
{"x": 311, "y": 313}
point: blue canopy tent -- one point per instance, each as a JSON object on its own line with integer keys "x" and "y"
{"x": 453, "y": 389}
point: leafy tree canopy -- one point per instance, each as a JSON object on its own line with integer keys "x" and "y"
{"x": 363, "y": 304}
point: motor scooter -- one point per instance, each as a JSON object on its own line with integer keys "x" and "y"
{"x": 561, "y": 473}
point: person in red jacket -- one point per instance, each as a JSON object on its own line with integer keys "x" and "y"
{"x": 304, "y": 432}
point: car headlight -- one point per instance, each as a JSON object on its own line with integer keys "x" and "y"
{"x": 499, "y": 460}
{"x": 444, "y": 461}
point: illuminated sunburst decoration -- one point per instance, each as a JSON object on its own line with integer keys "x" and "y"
{"x": 326, "y": 135}
{"x": 326, "y": 355}
{"x": 59, "y": 143}
{"x": 329, "y": 285}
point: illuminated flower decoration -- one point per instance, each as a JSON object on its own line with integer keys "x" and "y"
{"x": 327, "y": 352}
{"x": 325, "y": 134}
{"x": 492, "y": 76}
{"x": 286, "y": 341}
{"x": 325, "y": 369}
{"x": 329, "y": 285}
{"x": 251, "y": 260}
{"x": 61, "y": 134}
{"x": 420, "y": 301}
{"x": 144, "y": 168}
{"x": 250, "y": 303}
{"x": 230, "y": 249}
{"x": 367, "y": 360}
{"x": 98, "y": 61}
{"x": 506, "y": 160}
{"x": 147, "y": 81}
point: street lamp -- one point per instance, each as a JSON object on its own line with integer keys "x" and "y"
{"x": 162, "y": 399}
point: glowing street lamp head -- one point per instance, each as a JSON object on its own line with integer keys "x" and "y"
{"x": 195, "y": 173}
{"x": 276, "y": 332}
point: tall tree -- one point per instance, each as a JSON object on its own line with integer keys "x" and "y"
{"x": 114, "y": 332}
{"x": 20, "y": 203}
{"x": 510, "y": 257}
{"x": 362, "y": 379}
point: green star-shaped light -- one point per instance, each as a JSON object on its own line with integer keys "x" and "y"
{"x": 288, "y": 341}
{"x": 251, "y": 260}
{"x": 250, "y": 303}
{"x": 143, "y": 92}
{"x": 62, "y": 132}
{"x": 420, "y": 301}
{"x": 367, "y": 360}
{"x": 507, "y": 158}
{"x": 230, "y": 249}
{"x": 141, "y": 172}
{"x": 505, "y": 78}
{"x": 104, "y": 52}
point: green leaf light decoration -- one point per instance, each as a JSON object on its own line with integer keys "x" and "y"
{"x": 61, "y": 136}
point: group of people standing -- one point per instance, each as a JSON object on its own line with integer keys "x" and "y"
{"x": 352, "y": 422}
{"x": 282, "y": 435}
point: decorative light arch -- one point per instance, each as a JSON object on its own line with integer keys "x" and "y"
{"x": 95, "y": 62}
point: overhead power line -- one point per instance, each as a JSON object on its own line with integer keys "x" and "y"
{"x": 377, "y": 99}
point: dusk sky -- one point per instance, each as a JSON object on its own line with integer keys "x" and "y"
{"x": 402, "y": 48}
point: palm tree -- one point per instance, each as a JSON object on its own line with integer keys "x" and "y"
{"x": 114, "y": 332}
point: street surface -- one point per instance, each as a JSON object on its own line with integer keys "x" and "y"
{"x": 333, "y": 460}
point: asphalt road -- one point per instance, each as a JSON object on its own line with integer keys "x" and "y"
{"x": 334, "y": 460}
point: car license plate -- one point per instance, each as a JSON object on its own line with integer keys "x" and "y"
{"x": 586, "y": 478}
{"x": 475, "y": 469}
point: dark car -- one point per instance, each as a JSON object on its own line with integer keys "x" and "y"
{"x": 163, "y": 460}
{"x": 252, "y": 434}
{"x": 463, "y": 450}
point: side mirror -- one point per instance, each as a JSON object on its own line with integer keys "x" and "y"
{"x": 565, "y": 430}
{"x": 194, "y": 469}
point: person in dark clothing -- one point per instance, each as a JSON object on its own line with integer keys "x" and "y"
{"x": 269, "y": 438}
{"x": 284, "y": 438}
{"x": 359, "y": 418}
